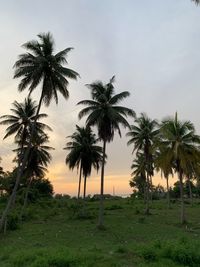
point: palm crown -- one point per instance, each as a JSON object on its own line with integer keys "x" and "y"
{"x": 83, "y": 151}
{"x": 103, "y": 109}
{"x": 21, "y": 122}
{"x": 42, "y": 65}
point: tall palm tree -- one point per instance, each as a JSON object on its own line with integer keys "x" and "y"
{"x": 182, "y": 145}
{"x": 84, "y": 153}
{"x": 40, "y": 66}
{"x": 143, "y": 135}
{"x": 104, "y": 112}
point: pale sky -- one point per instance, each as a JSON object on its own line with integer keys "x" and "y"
{"x": 153, "y": 48}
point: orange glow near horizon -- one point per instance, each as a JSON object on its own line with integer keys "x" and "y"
{"x": 119, "y": 183}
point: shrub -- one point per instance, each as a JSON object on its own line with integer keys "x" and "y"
{"x": 114, "y": 207}
{"x": 12, "y": 222}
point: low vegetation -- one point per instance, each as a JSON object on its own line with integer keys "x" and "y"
{"x": 54, "y": 233}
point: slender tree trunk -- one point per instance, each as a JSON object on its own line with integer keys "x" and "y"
{"x": 101, "y": 202}
{"x": 79, "y": 183}
{"x": 190, "y": 192}
{"x": 20, "y": 171}
{"x": 183, "y": 218}
{"x": 147, "y": 196}
{"x": 25, "y": 199}
{"x": 151, "y": 188}
{"x": 84, "y": 191}
{"x": 168, "y": 196}
{"x": 20, "y": 160}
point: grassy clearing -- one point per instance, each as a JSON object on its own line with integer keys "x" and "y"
{"x": 56, "y": 234}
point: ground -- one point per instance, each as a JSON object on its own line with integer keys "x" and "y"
{"x": 55, "y": 233}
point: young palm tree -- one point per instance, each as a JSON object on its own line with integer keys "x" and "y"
{"x": 143, "y": 135}
{"x": 38, "y": 160}
{"x": 166, "y": 168}
{"x": 182, "y": 146}
{"x": 40, "y": 66}
{"x": 139, "y": 168}
{"x": 104, "y": 112}
{"x": 21, "y": 122}
{"x": 83, "y": 154}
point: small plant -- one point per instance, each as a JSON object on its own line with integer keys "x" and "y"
{"x": 121, "y": 250}
{"x": 141, "y": 220}
{"x": 12, "y": 222}
{"x": 136, "y": 211}
{"x": 114, "y": 207}
{"x": 149, "y": 254}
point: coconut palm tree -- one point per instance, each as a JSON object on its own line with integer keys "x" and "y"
{"x": 196, "y": 1}
{"x": 38, "y": 160}
{"x": 166, "y": 168}
{"x": 20, "y": 124}
{"x": 84, "y": 153}
{"x": 104, "y": 112}
{"x": 182, "y": 145}
{"x": 40, "y": 66}
{"x": 143, "y": 135}
{"x": 139, "y": 168}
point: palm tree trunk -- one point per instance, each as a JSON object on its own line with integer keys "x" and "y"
{"x": 20, "y": 171}
{"x": 147, "y": 196}
{"x": 168, "y": 196}
{"x": 183, "y": 219}
{"x": 20, "y": 160}
{"x": 84, "y": 192}
{"x": 25, "y": 199}
{"x": 101, "y": 203}
{"x": 190, "y": 191}
{"x": 79, "y": 183}
{"x": 151, "y": 188}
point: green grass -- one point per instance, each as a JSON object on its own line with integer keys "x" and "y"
{"x": 55, "y": 234}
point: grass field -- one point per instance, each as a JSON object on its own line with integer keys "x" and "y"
{"x": 56, "y": 234}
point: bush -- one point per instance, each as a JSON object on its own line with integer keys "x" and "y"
{"x": 114, "y": 207}
{"x": 12, "y": 222}
{"x": 149, "y": 254}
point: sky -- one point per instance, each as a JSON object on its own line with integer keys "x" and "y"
{"x": 152, "y": 47}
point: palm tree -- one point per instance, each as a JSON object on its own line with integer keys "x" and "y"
{"x": 83, "y": 154}
{"x": 20, "y": 124}
{"x": 182, "y": 146}
{"x": 38, "y": 160}
{"x": 104, "y": 112}
{"x": 196, "y": 1}
{"x": 139, "y": 168}
{"x": 40, "y": 66}
{"x": 166, "y": 168}
{"x": 142, "y": 136}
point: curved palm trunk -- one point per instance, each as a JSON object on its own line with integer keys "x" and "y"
{"x": 21, "y": 168}
{"x": 168, "y": 196}
{"x": 183, "y": 218}
{"x": 79, "y": 183}
{"x": 25, "y": 199}
{"x": 84, "y": 191}
{"x": 20, "y": 160}
{"x": 101, "y": 203}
